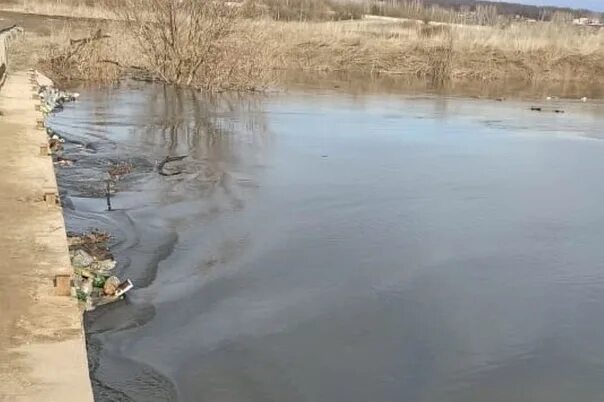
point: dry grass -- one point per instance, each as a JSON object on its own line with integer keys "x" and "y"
{"x": 303, "y": 10}
{"x": 233, "y": 58}
{"x": 197, "y": 43}
{"x": 280, "y": 10}
{"x": 102, "y": 60}
{"x": 255, "y": 49}
{"x": 96, "y": 9}
{"x": 412, "y": 9}
{"x": 521, "y": 51}
{"x": 53, "y": 54}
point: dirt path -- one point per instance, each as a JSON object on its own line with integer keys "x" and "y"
{"x": 42, "y": 350}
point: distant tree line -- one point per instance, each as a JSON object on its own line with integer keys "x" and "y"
{"x": 511, "y": 9}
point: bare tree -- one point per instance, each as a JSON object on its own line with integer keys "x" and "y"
{"x": 190, "y": 42}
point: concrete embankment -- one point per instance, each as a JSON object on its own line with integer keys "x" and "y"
{"x": 42, "y": 347}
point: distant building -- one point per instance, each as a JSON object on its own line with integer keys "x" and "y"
{"x": 594, "y": 22}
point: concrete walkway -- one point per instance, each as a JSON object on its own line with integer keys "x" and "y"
{"x": 42, "y": 349}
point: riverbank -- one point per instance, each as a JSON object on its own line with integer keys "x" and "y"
{"x": 520, "y": 52}
{"x": 42, "y": 350}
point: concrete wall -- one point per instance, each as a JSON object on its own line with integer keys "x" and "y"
{"x": 42, "y": 347}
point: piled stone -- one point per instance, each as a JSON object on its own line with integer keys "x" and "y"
{"x": 51, "y": 98}
{"x": 94, "y": 283}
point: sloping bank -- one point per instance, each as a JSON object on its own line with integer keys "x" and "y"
{"x": 42, "y": 350}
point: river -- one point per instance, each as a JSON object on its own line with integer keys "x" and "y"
{"x": 333, "y": 245}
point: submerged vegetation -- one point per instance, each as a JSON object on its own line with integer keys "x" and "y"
{"x": 241, "y": 46}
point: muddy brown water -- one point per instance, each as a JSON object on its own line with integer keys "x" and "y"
{"x": 327, "y": 245}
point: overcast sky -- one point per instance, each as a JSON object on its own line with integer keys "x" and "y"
{"x": 596, "y": 5}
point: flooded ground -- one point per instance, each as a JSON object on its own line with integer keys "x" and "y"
{"x": 331, "y": 245}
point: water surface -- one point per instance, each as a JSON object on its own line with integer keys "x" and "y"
{"x": 329, "y": 245}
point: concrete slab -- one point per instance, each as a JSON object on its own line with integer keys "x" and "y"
{"x": 42, "y": 347}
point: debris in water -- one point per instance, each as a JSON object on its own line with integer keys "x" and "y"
{"x": 64, "y": 162}
{"x": 95, "y": 236}
{"x": 99, "y": 281}
{"x": 103, "y": 266}
{"x": 541, "y": 109}
{"x": 94, "y": 243}
{"x": 119, "y": 170}
{"x": 92, "y": 262}
{"x": 168, "y": 159}
{"x": 55, "y": 145}
{"x": 108, "y": 193}
{"x": 111, "y": 285}
{"x": 81, "y": 259}
{"x": 124, "y": 287}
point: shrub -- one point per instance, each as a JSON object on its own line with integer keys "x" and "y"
{"x": 196, "y": 43}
